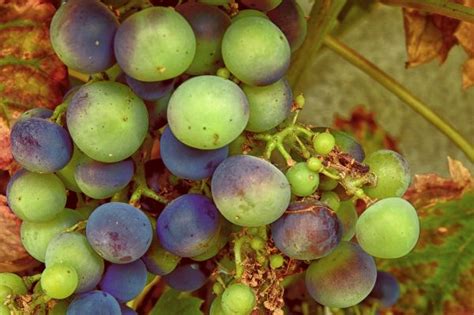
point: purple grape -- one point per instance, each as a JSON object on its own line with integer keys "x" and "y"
{"x": 186, "y": 162}
{"x": 186, "y": 278}
{"x": 124, "y": 282}
{"x": 119, "y": 232}
{"x": 94, "y": 302}
{"x": 127, "y": 310}
{"x": 101, "y": 180}
{"x": 188, "y": 224}
{"x": 289, "y": 17}
{"x": 386, "y": 289}
{"x": 150, "y": 91}
{"x": 40, "y": 145}
{"x": 82, "y": 35}
{"x": 308, "y": 230}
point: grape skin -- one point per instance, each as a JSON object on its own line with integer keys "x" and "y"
{"x": 207, "y": 112}
{"x": 262, "y": 5}
{"x": 150, "y": 91}
{"x": 124, "y": 282}
{"x": 107, "y": 121}
{"x": 388, "y": 228}
{"x": 59, "y": 281}
{"x": 347, "y": 215}
{"x": 255, "y": 51}
{"x": 248, "y": 13}
{"x": 82, "y": 34}
{"x": 188, "y": 224}
{"x": 13, "y": 281}
{"x": 386, "y": 289}
{"x": 94, "y": 302}
{"x": 238, "y": 299}
{"x": 186, "y": 278}
{"x": 40, "y": 145}
{"x": 158, "y": 260}
{"x": 303, "y": 181}
{"x": 250, "y": 191}
{"x": 307, "y": 235}
{"x": 159, "y": 35}
{"x": 102, "y": 180}
{"x": 343, "y": 278}
{"x": 119, "y": 232}
{"x": 35, "y": 236}
{"x": 66, "y": 174}
{"x": 186, "y": 162}
{"x": 74, "y": 250}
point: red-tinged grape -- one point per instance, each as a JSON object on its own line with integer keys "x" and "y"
{"x": 250, "y": 191}
{"x": 289, "y": 17}
{"x": 393, "y": 174}
{"x": 256, "y": 51}
{"x": 308, "y": 230}
{"x": 82, "y": 35}
{"x": 262, "y": 5}
{"x": 343, "y": 278}
{"x": 389, "y": 228}
{"x": 159, "y": 35}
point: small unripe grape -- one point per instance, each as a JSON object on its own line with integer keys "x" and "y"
{"x": 327, "y": 183}
{"x": 314, "y": 164}
{"x": 257, "y": 243}
{"x": 331, "y": 199}
{"x": 59, "y": 281}
{"x": 300, "y": 100}
{"x": 238, "y": 299}
{"x": 223, "y": 73}
{"x": 5, "y": 291}
{"x": 276, "y": 261}
{"x": 217, "y": 288}
{"x": 303, "y": 181}
{"x": 323, "y": 143}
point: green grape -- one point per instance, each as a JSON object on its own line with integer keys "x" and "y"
{"x": 14, "y": 282}
{"x": 389, "y": 228}
{"x": 85, "y": 211}
{"x": 36, "y": 197}
{"x": 257, "y": 243}
{"x": 107, "y": 121}
{"x": 4, "y": 310}
{"x": 207, "y": 112}
{"x": 216, "y": 306}
{"x": 303, "y": 181}
{"x": 248, "y": 13}
{"x": 215, "y": 2}
{"x": 314, "y": 164}
{"x": 331, "y": 199}
{"x": 327, "y": 183}
{"x": 35, "y": 236}
{"x": 66, "y": 174}
{"x": 60, "y": 308}
{"x": 393, "y": 174}
{"x": 217, "y": 243}
{"x": 223, "y": 73}
{"x": 59, "y": 281}
{"x": 255, "y": 51}
{"x": 4, "y": 293}
{"x": 158, "y": 260}
{"x": 323, "y": 143}
{"x": 155, "y": 44}
{"x": 74, "y": 250}
{"x": 269, "y": 105}
{"x": 276, "y": 261}
{"x": 217, "y": 288}
{"x": 347, "y": 215}
{"x": 238, "y": 299}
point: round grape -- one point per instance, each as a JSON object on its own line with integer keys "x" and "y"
{"x": 238, "y": 299}
{"x": 249, "y": 13}
{"x": 186, "y": 278}
{"x": 389, "y": 228}
{"x": 290, "y": 18}
{"x": 303, "y": 181}
{"x": 124, "y": 282}
{"x": 14, "y": 282}
{"x": 314, "y": 164}
{"x": 66, "y": 174}
{"x": 323, "y": 143}
{"x": 331, "y": 199}
{"x": 59, "y": 281}
{"x": 347, "y": 215}
{"x": 94, "y": 302}
{"x": 386, "y": 289}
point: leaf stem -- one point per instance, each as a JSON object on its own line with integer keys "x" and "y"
{"x": 401, "y": 92}
{"x": 441, "y": 7}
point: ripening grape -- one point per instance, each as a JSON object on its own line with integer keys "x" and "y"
{"x": 308, "y": 230}
{"x": 158, "y": 260}
{"x": 119, "y": 232}
{"x": 40, "y": 145}
{"x": 343, "y": 278}
{"x": 255, "y": 51}
{"x": 59, "y": 281}
{"x": 188, "y": 224}
{"x": 35, "y": 236}
{"x": 160, "y": 36}
{"x": 186, "y": 278}
{"x": 101, "y": 180}
{"x": 290, "y": 18}
{"x": 238, "y": 299}
{"x": 269, "y": 105}
{"x": 347, "y": 215}
{"x": 217, "y": 243}
{"x": 66, "y": 174}
{"x": 125, "y": 281}
{"x": 107, "y": 121}
{"x": 74, "y": 250}
{"x": 36, "y": 197}
{"x": 303, "y": 181}
{"x": 150, "y": 91}
{"x": 94, "y": 302}
{"x": 209, "y": 25}
{"x": 389, "y": 228}
{"x": 187, "y": 162}
{"x": 262, "y": 5}
{"x": 393, "y": 174}
{"x": 386, "y": 289}
{"x": 13, "y": 281}
{"x": 248, "y": 13}
{"x": 82, "y": 35}
{"x": 250, "y": 191}
{"x": 207, "y": 112}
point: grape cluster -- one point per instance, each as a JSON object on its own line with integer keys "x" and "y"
{"x": 209, "y": 82}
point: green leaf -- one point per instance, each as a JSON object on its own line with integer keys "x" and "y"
{"x": 173, "y": 302}
{"x": 438, "y": 276}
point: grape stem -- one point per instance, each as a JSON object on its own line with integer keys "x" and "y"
{"x": 59, "y": 113}
{"x": 79, "y": 226}
{"x": 401, "y": 92}
{"x": 239, "y": 267}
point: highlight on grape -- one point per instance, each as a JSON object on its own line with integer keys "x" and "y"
{"x": 182, "y": 159}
